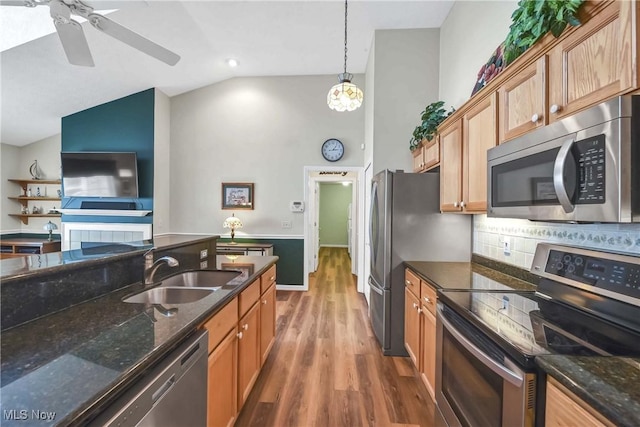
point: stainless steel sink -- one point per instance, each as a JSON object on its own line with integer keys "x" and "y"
{"x": 201, "y": 279}
{"x": 163, "y": 295}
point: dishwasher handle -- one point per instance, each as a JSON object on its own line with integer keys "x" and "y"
{"x": 164, "y": 389}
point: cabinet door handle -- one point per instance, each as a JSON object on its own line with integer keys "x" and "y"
{"x": 415, "y": 305}
{"x": 407, "y": 282}
{"x": 462, "y": 204}
{"x": 264, "y": 301}
{"x": 535, "y": 118}
{"x": 239, "y": 335}
{"x": 419, "y": 311}
{"x": 245, "y": 327}
{"x": 455, "y": 204}
{"x": 554, "y": 108}
{"x": 272, "y": 278}
{"x": 428, "y": 300}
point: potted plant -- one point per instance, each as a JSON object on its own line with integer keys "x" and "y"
{"x": 535, "y": 18}
{"x": 431, "y": 117}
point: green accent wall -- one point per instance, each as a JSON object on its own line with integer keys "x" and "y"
{"x": 126, "y": 124}
{"x": 290, "y": 269}
{"x": 334, "y": 203}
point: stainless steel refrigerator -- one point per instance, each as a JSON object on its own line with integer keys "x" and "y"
{"x": 406, "y": 225}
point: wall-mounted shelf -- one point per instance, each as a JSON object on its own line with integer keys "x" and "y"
{"x": 104, "y": 212}
{"x": 25, "y": 217}
{"x": 24, "y": 199}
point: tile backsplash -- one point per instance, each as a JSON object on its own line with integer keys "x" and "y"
{"x": 523, "y": 236}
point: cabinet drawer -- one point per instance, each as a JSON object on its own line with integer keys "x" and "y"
{"x": 412, "y": 282}
{"x": 428, "y": 297}
{"x": 221, "y": 323}
{"x": 248, "y": 297}
{"x": 267, "y": 279}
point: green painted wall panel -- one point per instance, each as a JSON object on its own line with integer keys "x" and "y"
{"x": 290, "y": 268}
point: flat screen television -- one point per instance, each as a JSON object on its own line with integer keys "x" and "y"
{"x": 99, "y": 174}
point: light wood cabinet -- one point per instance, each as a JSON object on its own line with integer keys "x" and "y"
{"x": 463, "y": 167}
{"x": 427, "y": 156}
{"x": 595, "y": 62}
{"x": 565, "y": 409}
{"x": 428, "y": 349}
{"x": 420, "y": 328}
{"x": 451, "y": 167}
{"x": 248, "y": 353}
{"x": 222, "y": 382}
{"x": 412, "y": 326}
{"x": 267, "y": 322}
{"x": 522, "y": 101}
{"x": 241, "y": 335}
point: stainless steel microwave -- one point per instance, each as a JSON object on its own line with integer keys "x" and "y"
{"x": 583, "y": 168}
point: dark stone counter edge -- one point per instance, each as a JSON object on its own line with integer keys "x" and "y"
{"x": 604, "y": 407}
{"x": 106, "y": 259}
{"x": 88, "y": 411}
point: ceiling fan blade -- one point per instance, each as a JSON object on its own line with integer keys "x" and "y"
{"x": 74, "y": 43}
{"x": 114, "y": 4}
{"x": 26, "y": 3}
{"x": 134, "y": 40}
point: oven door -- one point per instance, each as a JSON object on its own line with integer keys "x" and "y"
{"x": 572, "y": 178}
{"x": 476, "y": 383}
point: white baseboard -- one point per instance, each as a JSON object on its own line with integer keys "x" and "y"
{"x": 334, "y": 246}
{"x": 289, "y": 287}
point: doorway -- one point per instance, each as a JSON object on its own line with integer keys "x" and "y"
{"x": 314, "y": 177}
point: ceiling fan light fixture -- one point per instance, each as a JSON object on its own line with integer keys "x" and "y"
{"x": 345, "y": 96}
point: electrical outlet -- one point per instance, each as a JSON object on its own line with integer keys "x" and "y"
{"x": 204, "y": 253}
{"x": 506, "y": 245}
{"x": 286, "y": 224}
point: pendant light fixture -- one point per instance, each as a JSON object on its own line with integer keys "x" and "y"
{"x": 345, "y": 96}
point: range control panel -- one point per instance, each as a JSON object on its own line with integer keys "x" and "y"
{"x": 612, "y": 274}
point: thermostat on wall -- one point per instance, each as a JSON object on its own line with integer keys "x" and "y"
{"x": 297, "y": 206}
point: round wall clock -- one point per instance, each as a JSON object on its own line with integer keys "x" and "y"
{"x": 332, "y": 150}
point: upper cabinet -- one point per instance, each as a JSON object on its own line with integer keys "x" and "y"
{"x": 556, "y": 77}
{"x": 427, "y": 156}
{"x": 595, "y": 62}
{"x": 463, "y": 166}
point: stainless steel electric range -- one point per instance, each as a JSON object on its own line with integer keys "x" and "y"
{"x": 586, "y": 303}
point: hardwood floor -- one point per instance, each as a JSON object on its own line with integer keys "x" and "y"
{"x": 326, "y": 367}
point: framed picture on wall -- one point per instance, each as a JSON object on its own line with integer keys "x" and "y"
{"x": 237, "y": 195}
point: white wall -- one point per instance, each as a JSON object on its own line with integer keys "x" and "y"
{"x": 15, "y": 164}
{"x": 262, "y": 130}
{"x": 468, "y": 37}
{"x": 405, "y": 82}
{"x": 461, "y": 58}
{"x": 161, "y": 164}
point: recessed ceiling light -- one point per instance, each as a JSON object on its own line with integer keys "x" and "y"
{"x": 232, "y": 63}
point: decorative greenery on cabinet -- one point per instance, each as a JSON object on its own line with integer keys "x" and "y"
{"x": 535, "y": 18}
{"x": 431, "y": 117}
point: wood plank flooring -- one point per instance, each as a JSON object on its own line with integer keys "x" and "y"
{"x": 326, "y": 367}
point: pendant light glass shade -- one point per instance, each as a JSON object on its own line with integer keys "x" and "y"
{"x": 345, "y": 96}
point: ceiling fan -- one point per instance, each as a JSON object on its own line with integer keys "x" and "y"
{"x": 72, "y": 35}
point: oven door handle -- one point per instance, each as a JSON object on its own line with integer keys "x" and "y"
{"x": 505, "y": 373}
{"x": 558, "y": 173}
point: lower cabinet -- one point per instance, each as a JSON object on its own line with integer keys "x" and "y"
{"x": 223, "y": 382}
{"x": 420, "y": 328}
{"x": 563, "y": 408}
{"x": 241, "y": 335}
{"x": 248, "y": 353}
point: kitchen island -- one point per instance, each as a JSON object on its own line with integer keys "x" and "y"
{"x": 66, "y": 367}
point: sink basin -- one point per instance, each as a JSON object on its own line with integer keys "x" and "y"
{"x": 201, "y": 279}
{"x": 163, "y": 295}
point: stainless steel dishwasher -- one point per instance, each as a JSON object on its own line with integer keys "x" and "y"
{"x": 173, "y": 393}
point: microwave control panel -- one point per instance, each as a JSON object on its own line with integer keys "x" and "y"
{"x": 590, "y": 158}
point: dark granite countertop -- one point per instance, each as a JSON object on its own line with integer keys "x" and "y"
{"x": 74, "y": 362}
{"x": 466, "y": 275}
{"x": 20, "y": 267}
{"x": 611, "y": 385}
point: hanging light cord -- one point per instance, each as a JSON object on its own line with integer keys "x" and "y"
{"x": 345, "y": 36}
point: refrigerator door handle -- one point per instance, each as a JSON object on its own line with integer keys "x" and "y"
{"x": 373, "y": 244}
{"x": 374, "y": 287}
